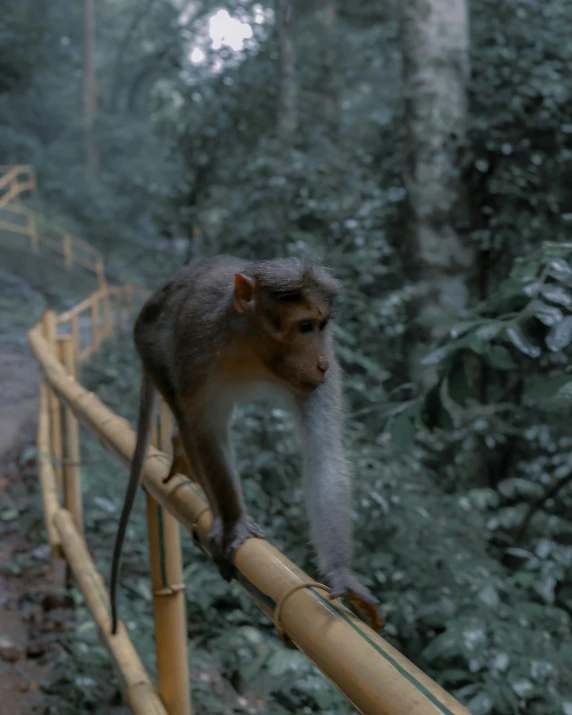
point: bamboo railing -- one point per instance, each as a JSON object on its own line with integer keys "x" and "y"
{"x": 374, "y": 676}
{"x": 23, "y": 221}
{"x": 15, "y": 180}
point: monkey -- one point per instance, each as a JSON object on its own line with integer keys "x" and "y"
{"x": 224, "y": 331}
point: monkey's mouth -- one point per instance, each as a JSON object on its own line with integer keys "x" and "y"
{"x": 307, "y": 387}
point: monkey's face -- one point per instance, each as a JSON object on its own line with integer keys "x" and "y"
{"x": 289, "y": 329}
{"x": 297, "y": 345}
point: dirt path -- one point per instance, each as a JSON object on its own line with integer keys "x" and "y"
{"x": 36, "y": 613}
{"x": 18, "y": 393}
{"x": 29, "y": 605}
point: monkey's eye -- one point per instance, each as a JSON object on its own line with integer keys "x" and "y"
{"x": 306, "y": 326}
{"x": 323, "y": 324}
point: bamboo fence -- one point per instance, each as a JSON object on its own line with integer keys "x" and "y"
{"x": 21, "y": 220}
{"x": 375, "y": 677}
{"x": 15, "y": 180}
{"x": 372, "y": 674}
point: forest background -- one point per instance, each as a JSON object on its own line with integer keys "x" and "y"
{"x": 423, "y": 150}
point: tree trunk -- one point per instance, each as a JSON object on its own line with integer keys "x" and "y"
{"x": 117, "y": 74}
{"x": 331, "y": 86}
{"x": 89, "y": 89}
{"x": 287, "y": 120}
{"x": 287, "y": 117}
{"x": 435, "y": 47}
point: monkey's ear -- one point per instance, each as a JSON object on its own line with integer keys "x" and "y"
{"x": 243, "y": 292}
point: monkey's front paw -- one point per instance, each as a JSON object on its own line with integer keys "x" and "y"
{"x": 344, "y": 584}
{"x": 245, "y": 528}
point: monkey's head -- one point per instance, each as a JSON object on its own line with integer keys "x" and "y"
{"x": 288, "y": 306}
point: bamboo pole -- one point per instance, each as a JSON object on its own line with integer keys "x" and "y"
{"x": 107, "y": 324}
{"x": 15, "y": 228}
{"x": 373, "y": 675}
{"x": 95, "y": 321}
{"x": 118, "y": 309}
{"x": 72, "y": 480}
{"x": 47, "y": 476}
{"x": 135, "y": 682}
{"x": 74, "y": 322}
{"x": 11, "y": 195}
{"x": 50, "y": 332}
{"x": 168, "y": 597}
{"x": 100, "y": 273}
{"x": 8, "y": 177}
{"x": 80, "y": 307}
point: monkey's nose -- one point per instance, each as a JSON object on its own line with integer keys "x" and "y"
{"x": 323, "y": 365}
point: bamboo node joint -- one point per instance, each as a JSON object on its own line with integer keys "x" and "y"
{"x": 170, "y": 590}
{"x": 277, "y": 618}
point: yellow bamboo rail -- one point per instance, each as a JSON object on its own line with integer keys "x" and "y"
{"x": 11, "y": 184}
{"x": 136, "y": 684}
{"x": 168, "y": 594}
{"x": 71, "y": 451}
{"x": 58, "y": 440}
{"x": 47, "y": 475}
{"x": 373, "y": 675}
{"x": 49, "y": 328}
{"x": 112, "y": 299}
{"x": 66, "y": 540}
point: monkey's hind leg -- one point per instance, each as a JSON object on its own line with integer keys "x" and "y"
{"x": 225, "y": 541}
{"x": 179, "y": 461}
{"x": 211, "y": 458}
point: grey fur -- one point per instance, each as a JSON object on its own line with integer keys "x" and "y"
{"x": 187, "y": 334}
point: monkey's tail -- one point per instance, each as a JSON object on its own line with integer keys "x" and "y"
{"x": 147, "y": 403}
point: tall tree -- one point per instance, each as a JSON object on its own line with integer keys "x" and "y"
{"x": 89, "y": 89}
{"x": 435, "y": 48}
{"x": 287, "y": 115}
{"x": 287, "y": 120}
{"x": 140, "y": 13}
{"x": 331, "y": 84}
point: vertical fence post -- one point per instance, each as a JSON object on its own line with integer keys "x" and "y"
{"x": 33, "y": 232}
{"x": 119, "y": 308}
{"x": 168, "y": 597}
{"x": 68, "y": 253}
{"x": 14, "y": 190}
{"x": 45, "y": 469}
{"x": 107, "y": 325}
{"x": 72, "y": 483}
{"x": 50, "y": 329}
{"x": 95, "y": 322}
{"x": 75, "y": 339}
{"x": 100, "y": 272}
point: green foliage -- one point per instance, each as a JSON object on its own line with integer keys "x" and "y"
{"x": 444, "y": 480}
{"x": 521, "y": 153}
{"x": 41, "y": 117}
{"x": 515, "y": 344}
{"x": 502, "y": 385}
